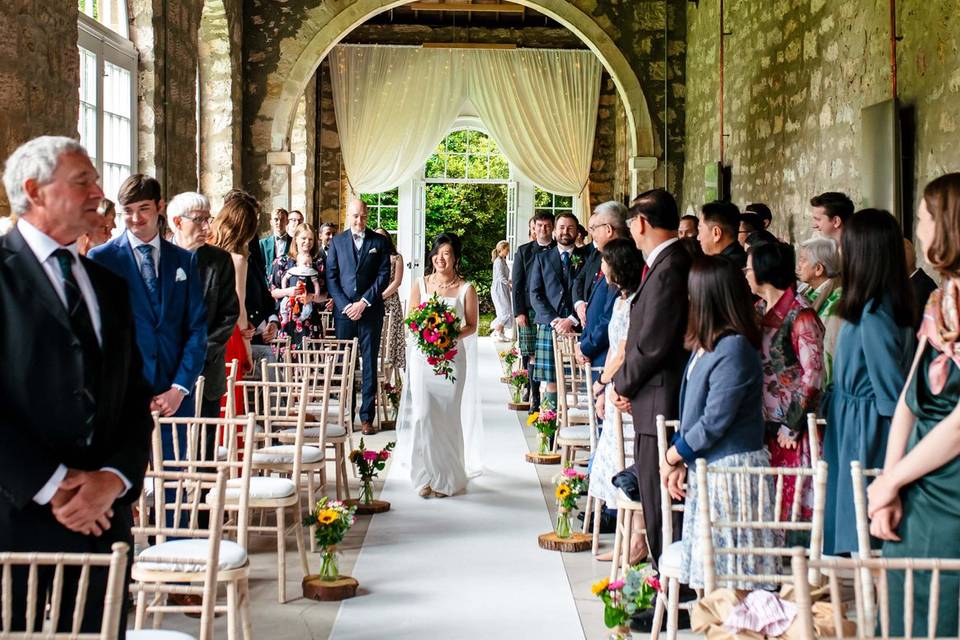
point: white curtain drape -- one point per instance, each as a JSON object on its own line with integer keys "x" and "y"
{"x": 541, "y": 108}
{"x": 395, "y": 104}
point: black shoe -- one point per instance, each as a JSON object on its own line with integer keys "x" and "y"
{"x": 608, "y": 521}
{"x": 643, "y": 621}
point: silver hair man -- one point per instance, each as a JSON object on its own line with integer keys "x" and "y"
{"x": 37, "y": 160}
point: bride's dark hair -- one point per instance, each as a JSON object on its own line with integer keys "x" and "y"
{"x": 456, "y": 246}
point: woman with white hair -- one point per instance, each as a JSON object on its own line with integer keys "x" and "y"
{"x": 500, "y": 291}
{"x": 818, "y": 269}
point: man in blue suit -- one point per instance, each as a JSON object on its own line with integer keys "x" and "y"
{"x": 166, "y": 295}
{"x": 358, "y": 270}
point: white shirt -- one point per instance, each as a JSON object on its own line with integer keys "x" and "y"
{"x": 43, "y": 247}
{"x": 650, "y": 259}
{"x": 155, "y": 243}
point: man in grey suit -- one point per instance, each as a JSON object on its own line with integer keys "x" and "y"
{"x": 189, "y": 214}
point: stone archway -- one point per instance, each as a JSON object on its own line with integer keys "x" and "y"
{"x": 271, "y": 129}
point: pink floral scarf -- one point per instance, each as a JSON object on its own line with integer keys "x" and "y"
{"x": 941, "y": 328}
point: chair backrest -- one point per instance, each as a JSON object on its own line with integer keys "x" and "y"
{"x": 745, "y": 496}
{"x": 815, "y": 427}
{"x": 586, "y": 371}
{"x": 344, "y": 371}
{"x": 326, "y": 322}
{"x": 878, "y": 573}
{"x": 569, "y": 374}
{"x": 667, "y": 507}
{"x": 71, "y": 571}
{"x": 198, "y": 395}
{"x": 623, "y": 436}
{"x": 859, "y": 475}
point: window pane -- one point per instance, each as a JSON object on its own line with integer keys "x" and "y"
{"x": 116, "y": 90}
{"x": 456, "y": 166}
{"x": 563, "y": 202}
{"x": 388, "y": 218}
{"x": 87, "y": 123}
{"x": 370, "y": 198}
{"x": 389, "y": 198}
{"x": 499, "y": 168}
{"x": 457, "y": 141}
{"x": 435, "y": 166}
{"x": 477, "y": 167}
{"x": 542, "y": 199}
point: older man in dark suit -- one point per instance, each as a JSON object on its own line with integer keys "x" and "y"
{"x": 522, "y": 308}
{"x": 648, "y": 382}
{"x": 74, "y": 422}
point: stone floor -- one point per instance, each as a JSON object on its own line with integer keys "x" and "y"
{"x": 300, "y": 618}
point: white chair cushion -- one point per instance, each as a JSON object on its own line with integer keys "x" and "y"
{"x": 580, "y": 432}
{"x": 192, "y": 555}
{"x": 671, "y": 560}
{"x": 157, "y": 634}
{"x": 261, "y": 487}
{"x": 577, "y": 413}
{"x": 283, "y": 454}
{"x": 222, "y": 453}
{"x": 333, "y": 431}
{"x": 333, "y": 409}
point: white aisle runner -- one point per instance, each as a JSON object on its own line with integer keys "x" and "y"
{"x": 468, "y": 566}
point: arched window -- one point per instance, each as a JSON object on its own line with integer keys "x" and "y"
{"x": 107, "y": 120}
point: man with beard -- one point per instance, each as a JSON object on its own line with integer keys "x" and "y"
{"x": 551, "y": 295}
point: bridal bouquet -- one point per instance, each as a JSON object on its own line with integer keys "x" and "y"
{"x": 369, "y": 464}
{"x": 570, "y": 484}
{"x": 436, "y": 327}
{"x": 331, "y": 519}
{"x": 624, "y": 598}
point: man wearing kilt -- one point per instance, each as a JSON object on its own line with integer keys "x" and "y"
{"x": 551, "y": 295}
{"x": 522, "y": 264}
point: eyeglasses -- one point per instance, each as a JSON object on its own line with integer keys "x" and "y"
{"x": 593, "y": 227}
{"x": 200, "y": 220}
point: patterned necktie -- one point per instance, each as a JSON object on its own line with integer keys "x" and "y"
{"x": 646, "y": 270}
{"x": 148, "y": 271}
{"x": 82, "y": 327}
{"x": 565, "y": 259}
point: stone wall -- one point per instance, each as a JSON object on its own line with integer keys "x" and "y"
{"x": 797, "y": 76}
{"x": 39, "y": 76}
{"x": 650, "y": 34}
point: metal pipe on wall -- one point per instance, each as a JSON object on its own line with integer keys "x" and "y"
{"x": 893, "y": 49}
{"x": 722, "y": 35}
{"x": 666, "y": 94}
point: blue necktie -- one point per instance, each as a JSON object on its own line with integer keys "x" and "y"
{"x": 565, "y": 260}
{"x": 148, "y": 271}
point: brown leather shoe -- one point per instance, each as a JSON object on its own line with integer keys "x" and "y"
{"x": 367, "y": 428}
{"x": 187, "y": 600}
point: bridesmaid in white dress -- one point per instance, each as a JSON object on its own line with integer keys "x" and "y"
{"x": 435, "y": 411}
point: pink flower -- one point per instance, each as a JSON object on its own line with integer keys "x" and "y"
{"x": 414, "y": 327}
{"x": 570, "y": 473}
{"x": 448, "y": 317}
{"x": 616, "y": 585}
{"x": 370, "y": 456}
{"x": 654, "y": 581}
{"x": 384, "y": 454}
{"x": 450, "y": 355}
{"x": 423, "y": 305}
{"x": 432, "y": 361}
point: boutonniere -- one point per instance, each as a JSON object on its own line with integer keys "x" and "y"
{"x": 181, "y": 274}
{"x": 576, "y": 261}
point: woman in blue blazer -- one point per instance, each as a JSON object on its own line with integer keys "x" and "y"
{"x": 721, "y": 415}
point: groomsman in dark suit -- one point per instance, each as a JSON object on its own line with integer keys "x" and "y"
{"x": 648, "y": 382}
{"x": 358, "y": 270}
{"x": 542, "y": 225}
{"x": 166, "y": 296}
{"x": 277, "y": 243}
{"x": 189, "y": 215}
{"x": 551, "y": 294}
{"x": 74, "y": 421}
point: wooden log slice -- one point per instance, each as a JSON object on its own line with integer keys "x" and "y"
{"x": 505, "y": 379}
{"x": 388, "y": 425}
{"x": 576, "y": 543}
{"x": 543, "y": 458}
{"x": 377, "y": 506}
{"x": 518, "y": 406}
{"x": 329, "y": 591}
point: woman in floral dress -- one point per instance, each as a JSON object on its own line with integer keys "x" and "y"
{"x": 396, "y": 350}
{"x": 792, "y": 354}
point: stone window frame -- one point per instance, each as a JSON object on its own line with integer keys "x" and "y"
{"x": 108, "y": 48}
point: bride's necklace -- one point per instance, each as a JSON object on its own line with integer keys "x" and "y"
{"x": 444, "y": 285}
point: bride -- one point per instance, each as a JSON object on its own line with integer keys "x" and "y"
{"x": 438, "y": 429}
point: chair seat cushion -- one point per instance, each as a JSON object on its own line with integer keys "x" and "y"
{"x": 191, "y": 555}
{"x": 576, "y": 414}
{"x": 671, "y": 560}
{"x": 283, "y": 454}
{"x": 316, "y": 410}
{"x": 580, "y": 432}
{"x": 222, "y": 453}
{"x": 157, "y": 634}
{"x": 333, "y": 431}
{"x": 261, "y": 487}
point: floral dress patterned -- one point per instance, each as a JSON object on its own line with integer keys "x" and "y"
{"x": 396, "y": 350}
{"x": 792, "y": 354}
{"x": 824, "y": 300}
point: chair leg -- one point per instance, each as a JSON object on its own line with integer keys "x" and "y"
{"x": 141, "y": 609}
{"x": 673, "y": 607}
{"x": 658, "y": 611}
{"x": 247, "y": 628}
{"x": 626, "y": 543}
{"x": 281, "y": 556}
{"x": 617, "y": 544}
{"x": 311, "y": 501}
{"x": 587, "y": 512}
{"x": 232, "y": 610}
{"x": 343, "y": 472}
{"x": 597, "y": 512}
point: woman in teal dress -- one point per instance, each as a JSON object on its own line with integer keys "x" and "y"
{"x": 872, "y": 357}
{"x": 915, "y": 505}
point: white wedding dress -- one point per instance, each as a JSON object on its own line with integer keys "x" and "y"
{"x": 439, "y": 431}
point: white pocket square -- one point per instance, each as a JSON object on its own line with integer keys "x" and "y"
{"x": 181, "y": 274}
{"x": 374, "y": 250}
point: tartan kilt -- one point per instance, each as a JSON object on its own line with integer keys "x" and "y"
{"x": 543, "y": 364}
{"x": 527, "y": 340}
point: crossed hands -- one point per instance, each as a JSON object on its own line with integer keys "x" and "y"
{"x": 167, "y": 402}
{"x": 355, "y": 309}
{"x": 673, "y": 479}
{"x": 563, "y": 326}
{"x": 884, "y": 508}
{"x": 84, "y": 499}
{"x": 622, "y": 403}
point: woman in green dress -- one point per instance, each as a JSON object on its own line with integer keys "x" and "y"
{"x": 915, "y": 505}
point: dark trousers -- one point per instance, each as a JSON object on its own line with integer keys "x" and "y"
{"x": 647, "y": 468}
{"x": 186, "y": 410}
{"x": 367, "y": 330}
{"x": 35, "y": 529}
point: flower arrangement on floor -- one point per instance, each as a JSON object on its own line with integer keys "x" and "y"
{"x": 622, "y": 599}
{"x": 369, "y": 463}
{"x": 436, "y": 327}
{"x": 570, "y": 485}
{"x": 544, "y": 421}
{"x": 518, "y": 380}
{"x": 393, "y": 399}
{"x": 508, "y": 359}
{"x": 332, "y": 520}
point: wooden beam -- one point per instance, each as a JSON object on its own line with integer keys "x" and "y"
{"x": 462, "y": 7}
{"x": 466, "y": 45}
